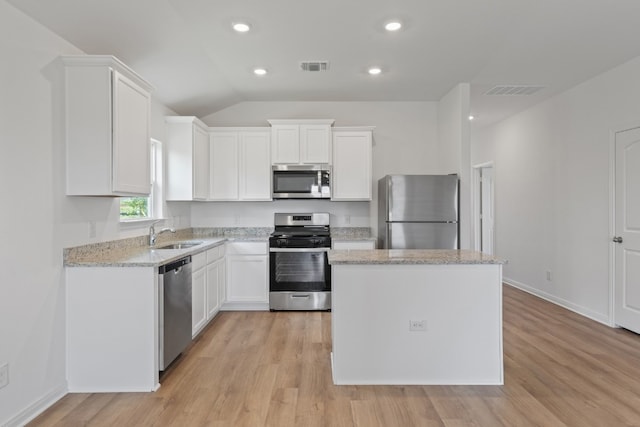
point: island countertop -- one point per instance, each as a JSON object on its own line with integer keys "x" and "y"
{"x": 411, "y": 256}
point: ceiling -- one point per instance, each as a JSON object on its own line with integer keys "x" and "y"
{"x": 188, "y": 51}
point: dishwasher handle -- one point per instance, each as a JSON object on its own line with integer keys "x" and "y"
{"x": 175, "y": 265}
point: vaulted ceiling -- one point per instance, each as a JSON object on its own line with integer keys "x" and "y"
{"x": 198, "y": 64}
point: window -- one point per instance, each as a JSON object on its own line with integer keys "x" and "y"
{"x": 141, "y": 208}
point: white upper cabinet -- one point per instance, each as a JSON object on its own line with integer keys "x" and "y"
{"x": 255, "y": 168}
{"x": 240, "y": 164}
{"x": 107, "y": 127}
{"x": 187, "y": 159}
{"x": 225, "y": 148}
{"x": 352, "y": 163}
{"x": 301, "y": 141}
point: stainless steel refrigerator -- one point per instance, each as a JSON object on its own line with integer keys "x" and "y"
{"x": 418, "y": 212}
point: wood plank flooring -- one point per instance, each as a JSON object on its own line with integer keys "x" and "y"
{"x": 273, "y": 369}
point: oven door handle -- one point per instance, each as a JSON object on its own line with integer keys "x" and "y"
{"x": 299, "y": 249}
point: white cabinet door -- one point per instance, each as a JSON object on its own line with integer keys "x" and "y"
{"x": 222, "y": 282}
{"x": 301, "y": 141}
{"x": 352, "y": 158}
{"x": 315, "y": 144}
{"x": 198, "y": 300}
{"x": 187, "y": 157}
{"x": 255, "y": 167}
{"x": 131, "y": 143}
{"x": 285, "y": 144}
{"x": 213, "y": 285}
{"x": 107, "y": 128}
{"x": 200, "y": 163}
{"x": 247, "y": 278}
{"x": 224, "y": 165}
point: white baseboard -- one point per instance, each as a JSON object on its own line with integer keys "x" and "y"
{"x": 36, "y": 408}
{"x": 583, "y": 311}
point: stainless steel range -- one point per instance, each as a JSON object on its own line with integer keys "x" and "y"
{"x": 300, "y": 276}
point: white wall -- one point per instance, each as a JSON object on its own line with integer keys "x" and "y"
{"x": 38, "y": 219}
{"x": 405, "y": 141}
{"x": 552, "y": 188}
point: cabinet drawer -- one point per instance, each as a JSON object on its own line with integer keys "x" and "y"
{"x": 247, "y": 248}
{"x": 198, "y": 261}
{"x": 215, "y": 253}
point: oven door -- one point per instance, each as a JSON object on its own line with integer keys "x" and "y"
{"x": 300, "y": 279}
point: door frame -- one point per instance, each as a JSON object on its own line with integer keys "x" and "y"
{"x": 475, "y": 182}
{"x": 612, "y": 217}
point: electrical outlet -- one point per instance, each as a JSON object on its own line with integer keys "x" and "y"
{"x": 417, "y": 325}
{"x": 4, "y": 375}
{"x": 92, "y": 229}
{"x": 548, "y": 275}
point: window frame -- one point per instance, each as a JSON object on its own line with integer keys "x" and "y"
{"x": 155, "y": 200}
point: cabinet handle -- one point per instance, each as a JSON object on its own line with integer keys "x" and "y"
{"x": 617, "y": 239}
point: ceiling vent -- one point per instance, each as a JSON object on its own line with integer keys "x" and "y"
{"x": 313, "y": 66}
{"x": 513, "y": 90}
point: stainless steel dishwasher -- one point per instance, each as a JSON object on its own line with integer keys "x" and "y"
{"x": 174, "y": 310}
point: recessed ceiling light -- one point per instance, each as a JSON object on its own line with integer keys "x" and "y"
{"x": 393, "y": 26}
{"x": 259, "y": 71}
{"x": 375, "y": 71}
{"x": 472, "y": 117}
{"x": 241, "y": 27}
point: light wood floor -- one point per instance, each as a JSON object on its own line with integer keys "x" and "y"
{"x": 261, "y": 368}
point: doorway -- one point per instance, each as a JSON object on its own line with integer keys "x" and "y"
{"x": 625, "y": 239}
{"x": 484, "y": 208}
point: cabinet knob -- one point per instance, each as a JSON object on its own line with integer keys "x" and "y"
{"x": 617, "y": 239}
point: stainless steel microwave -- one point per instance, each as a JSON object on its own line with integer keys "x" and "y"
{"x": 301, "y": 181}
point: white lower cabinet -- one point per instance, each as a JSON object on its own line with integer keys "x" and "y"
{"x": 247, "y": 276}
{"x": 216, "y": 279}
{"x": 208, "y": 276}
{"x": 198, "y": 292}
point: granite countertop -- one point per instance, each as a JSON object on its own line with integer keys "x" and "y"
{"x": 411, "y": 256}
{"x": 142, "y": 256}
{"x": 135, "y": 252}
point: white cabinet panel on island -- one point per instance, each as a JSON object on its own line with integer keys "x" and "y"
{"x": 187, "y": 158}
{"x": 107, "y": 127}
{"x": 247, "y": 276}
{"x": 430, "y": 317}
{"x": 352, "y": 164}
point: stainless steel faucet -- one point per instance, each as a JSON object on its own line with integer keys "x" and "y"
{"x": 153, "y": 235}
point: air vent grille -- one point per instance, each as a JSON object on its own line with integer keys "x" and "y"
{"x": 513, "y": 90}
{"x": 314, "y": 66}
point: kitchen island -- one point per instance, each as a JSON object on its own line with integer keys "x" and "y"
{"x": 416, "y": 317}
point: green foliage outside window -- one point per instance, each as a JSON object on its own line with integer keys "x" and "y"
{"x": 134, "y": 208}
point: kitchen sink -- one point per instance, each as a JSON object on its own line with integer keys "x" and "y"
{"x": 178, "y": 245}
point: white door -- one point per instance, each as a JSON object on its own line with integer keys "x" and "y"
{"x": 627, "y": 230}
